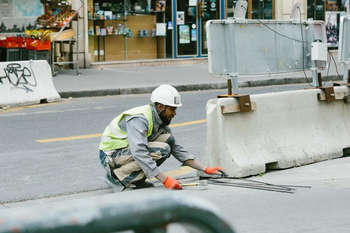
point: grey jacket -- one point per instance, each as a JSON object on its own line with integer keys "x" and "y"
{"x": 136, "y": 129}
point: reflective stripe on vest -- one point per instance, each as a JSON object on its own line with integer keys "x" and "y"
{"x": 114, "y": 138}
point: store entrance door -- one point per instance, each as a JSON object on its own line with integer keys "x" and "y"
{"x": 187, "y": 28}
{"x": 191, "y": 17}
{"x": 209, "y": 9}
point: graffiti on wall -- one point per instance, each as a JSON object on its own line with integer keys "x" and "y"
{"x": 18, "y": 76}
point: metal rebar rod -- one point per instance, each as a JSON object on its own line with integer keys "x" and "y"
{"x": 253, "y": 187}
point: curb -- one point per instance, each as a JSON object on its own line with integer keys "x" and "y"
{"x": 191, "y": 87}
{"x": 148, "y": 62}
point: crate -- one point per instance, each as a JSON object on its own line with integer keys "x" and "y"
{"x": 43, "y": 45}
{"x": 24, "y": 54}
{"x": 13, "y": 54}
{"x": 35, "y": 44}
{"x": 2, "y": 43}
{"x": 13, "y": 42}
{"x": 39, "y": 55}
{"x": 2, "y": 54}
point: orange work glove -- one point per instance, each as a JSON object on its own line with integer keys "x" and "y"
{"x": 213, "y": 170}
{"x": 171, "y": 183}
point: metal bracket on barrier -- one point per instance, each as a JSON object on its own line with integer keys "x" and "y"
{"x": 336, "y": 84}
{"x": 327, "y": 94}
{"x": 245, "y": 105}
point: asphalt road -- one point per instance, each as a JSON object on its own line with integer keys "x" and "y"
{"x": 39, "y": 158}
{"x": 31, "y": 169}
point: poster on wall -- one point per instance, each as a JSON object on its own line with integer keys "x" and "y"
{"x": 180, "y": 17}
{"x": 160, "y": 29}
{"x": 192, "y": 2}
{"x": 332, "y": 27}
{"x": 184, "y": 34}
{"x": 16, "y": 14}
{"x": 193, "y": 34}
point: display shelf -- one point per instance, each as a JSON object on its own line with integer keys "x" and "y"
{"x": 71, "y": 42}
{"x": 56, "y": 14}
{"x": 122, "y": 18}
{"x": 106, "y": 35}
{"x": 132, "y": 20}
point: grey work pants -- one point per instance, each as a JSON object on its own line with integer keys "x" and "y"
{"x": 127, "y": 171}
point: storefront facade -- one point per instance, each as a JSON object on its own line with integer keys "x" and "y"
{"x": 329, "y": 11}
{"x": 120, "y": 30}
{"x": 257, "y": 9}
{"x": 184, "y": 24}
{"x": 132, "y": 30}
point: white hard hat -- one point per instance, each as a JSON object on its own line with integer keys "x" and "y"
{"x": 167, "y": 95}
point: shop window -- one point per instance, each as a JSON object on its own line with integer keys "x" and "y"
{"x": 211, "y": 12}
{"x": 127, "y": 29}
{"x": 330, "y": 11}
{"x": 261, "y": 9}
{"x": 257, "y": 9}
{"x": 187, "y": 28}
{"x": 317, "y": 9}
{"x": 231, "y": 4}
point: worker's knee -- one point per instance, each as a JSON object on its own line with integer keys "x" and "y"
{"x": 165, "y": 150}
{"x": 170, "y": 140}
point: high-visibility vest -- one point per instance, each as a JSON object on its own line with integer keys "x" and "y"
{"x": 114, "y": 138}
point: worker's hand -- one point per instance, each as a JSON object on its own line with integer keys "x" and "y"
{"x": 171, "y": 183}
{"x": 213, "y": 170}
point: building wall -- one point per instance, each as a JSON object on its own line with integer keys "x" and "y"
{"x": 284, "y": 8}
{"x": 19, "y": 13}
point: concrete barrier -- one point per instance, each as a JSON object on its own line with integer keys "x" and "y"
{"x": 26, "y": 82}
{"x": 286, "y": 129}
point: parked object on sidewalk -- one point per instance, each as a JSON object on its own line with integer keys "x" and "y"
{"x": 139, "y": 140}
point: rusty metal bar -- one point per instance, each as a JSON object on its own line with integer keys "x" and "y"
{"x": 319, "y": 78}
{"x": 229, "y": 87}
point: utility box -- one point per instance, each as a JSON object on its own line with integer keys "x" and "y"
{"x": 318, "y": 51}
{"x": 344, "y": 35}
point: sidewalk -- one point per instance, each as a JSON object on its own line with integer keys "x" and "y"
{"x": 185, "y": 75}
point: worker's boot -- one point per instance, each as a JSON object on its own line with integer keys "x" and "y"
{"x": 114, "y": 183}
{"x": 142, "y": 184}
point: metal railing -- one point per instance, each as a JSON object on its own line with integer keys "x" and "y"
{"x": 116, "y": 212}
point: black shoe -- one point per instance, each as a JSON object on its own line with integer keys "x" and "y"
{"x": 142, "y": 184}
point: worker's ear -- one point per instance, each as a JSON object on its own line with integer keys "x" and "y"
{"x": 160, "y": 107}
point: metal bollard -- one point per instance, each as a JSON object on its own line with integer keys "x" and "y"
{"x": 116, "y": 212}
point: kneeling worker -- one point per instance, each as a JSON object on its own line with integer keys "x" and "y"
{"x": 139, "y": 140}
